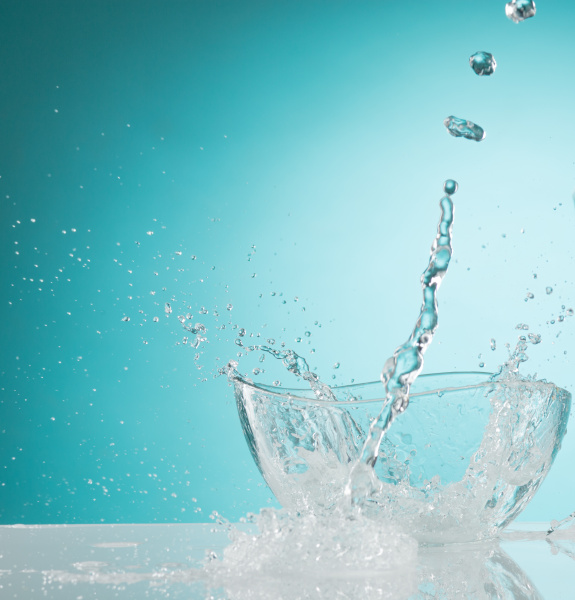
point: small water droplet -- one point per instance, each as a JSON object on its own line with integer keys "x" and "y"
{"x": 519, "y": 10}
{"x": 462, "y": 128}
{"x": 450, "y": 186}
{"x": 482, "y": 63}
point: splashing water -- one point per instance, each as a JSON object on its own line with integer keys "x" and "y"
{"x": 462, "y": 128}
{"x": 482, "y": 63}
{"x": 400, "y": 371}
{"x": 519, "y": 10}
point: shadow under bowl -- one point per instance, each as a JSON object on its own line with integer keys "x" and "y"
{"x": 458, "y": 465}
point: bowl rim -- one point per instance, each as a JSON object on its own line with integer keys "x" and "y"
{"x": 295, "y": 393}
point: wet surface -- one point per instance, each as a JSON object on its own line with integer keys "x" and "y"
{"x": 83, "y": 562}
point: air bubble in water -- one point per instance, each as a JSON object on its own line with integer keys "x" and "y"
{"x": 482, "y": 63}
{"x": 548, "y": 290}
{"x": 462, "y": 128}
{"x": 167, "y": 308}
{"x": 493, "y": 344}
{"x": 519, "y": 10}
{"x": 125, "y": 319}
{"x": 156, "y": 319}
{"x": 229, "y": 306}
{"x": 450, "y": 187}
{"x": 522, "y": 326}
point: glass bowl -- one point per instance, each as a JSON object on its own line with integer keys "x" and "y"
{"x": 458, "y": 465}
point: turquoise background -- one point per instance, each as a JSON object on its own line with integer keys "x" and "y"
{"x": 296, "y": 150}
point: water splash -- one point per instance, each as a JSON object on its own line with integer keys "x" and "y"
{"x": 401, "y": 369}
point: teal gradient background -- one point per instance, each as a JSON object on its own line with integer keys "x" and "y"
{"x": 286, "y": 158}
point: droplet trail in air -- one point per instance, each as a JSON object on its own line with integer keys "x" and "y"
{"x": 462, "y": 128}
{"x": 519, "y": 10}
{"x": 482, "y": 63}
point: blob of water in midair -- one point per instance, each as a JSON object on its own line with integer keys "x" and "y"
{"x": 482, "y": 63}
{"x": 462, "y": 128}
{"x": 450, "y": 187}
{"x": 519, "y": 10}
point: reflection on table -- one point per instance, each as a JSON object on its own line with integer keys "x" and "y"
{"x": 83, "y": 562}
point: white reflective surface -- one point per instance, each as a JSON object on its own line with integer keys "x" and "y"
{"x": 82, "y": 562}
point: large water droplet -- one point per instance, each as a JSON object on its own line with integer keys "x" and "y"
{"x": 482, "y": 63}
{"x": 519, "y": 10}
{"x": 462, "y": 128}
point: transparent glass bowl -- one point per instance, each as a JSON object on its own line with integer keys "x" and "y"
{"x": 459, "y": 465}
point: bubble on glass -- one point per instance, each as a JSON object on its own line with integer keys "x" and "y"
{"x": 463, "y": 128}
{"x": 450, "y": 186}
{"x": 548, "y": 290}
{"x": 482, "y": 63}
{"x": 519, "y": 10}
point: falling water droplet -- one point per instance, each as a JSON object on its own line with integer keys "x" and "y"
{"x": 482, "y": 63}
{"x": 450, "y": 187}
{"x": 519, "y": 10}
{"x": 462, "y": 128}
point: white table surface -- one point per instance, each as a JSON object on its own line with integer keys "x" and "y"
{"x": 84, "y": 562}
